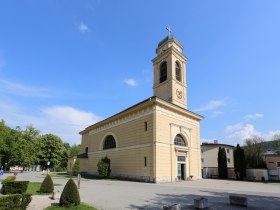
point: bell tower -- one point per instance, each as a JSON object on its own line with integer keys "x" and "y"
{"x": 170, "y": 71}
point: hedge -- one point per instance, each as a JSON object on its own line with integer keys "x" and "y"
{"x": 15, "y": 187}
{"x": 9, "y": 179}
{"x": 15, "y": 202}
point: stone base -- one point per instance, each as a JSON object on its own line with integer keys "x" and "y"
{"x": 238, "y": 200}
{"x": 172, "y": 207}
{"x": 200, "y": 203}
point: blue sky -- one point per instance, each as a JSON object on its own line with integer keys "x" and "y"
{"x": 67, "y": 64}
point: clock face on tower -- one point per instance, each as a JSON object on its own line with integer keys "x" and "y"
{"x": 179, "y": 94}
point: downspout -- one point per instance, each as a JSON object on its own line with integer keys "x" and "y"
{"x": 170, "y": 149}
{"x": 190, "y": 130}
{"x": 154, "y": 143}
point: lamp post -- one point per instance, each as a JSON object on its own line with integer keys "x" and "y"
{"x": 48, "y": 163}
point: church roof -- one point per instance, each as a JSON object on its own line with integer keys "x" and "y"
{"x": 216, "y": 144}
{"x": 147, "y": 102}
{"x": 170, "y": 37}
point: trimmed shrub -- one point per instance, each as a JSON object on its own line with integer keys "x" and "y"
{"x": 47, "y": 185}
{"x": 70, "y": 195}
{"x": 15, "y": 202}
{"x": 9, "y": 179}
{"x": 15, "y": 187}
{"x": 103, "y": 166}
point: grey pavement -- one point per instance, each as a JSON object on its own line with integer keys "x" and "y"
{"x": 113, "y": 194}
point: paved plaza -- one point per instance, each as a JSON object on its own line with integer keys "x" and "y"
{"x": 113, "y": 194}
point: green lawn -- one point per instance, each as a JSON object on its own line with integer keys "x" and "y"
{"x": 82, "y": 206}
{"x": 34, "y": 188}
{"x": 62, "y": 175}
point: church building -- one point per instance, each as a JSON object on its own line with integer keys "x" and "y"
{"x": 156, "y": 140}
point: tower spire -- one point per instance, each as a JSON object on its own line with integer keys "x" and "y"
{"x": 169, "y": 31}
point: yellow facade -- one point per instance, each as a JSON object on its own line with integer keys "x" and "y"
{"x": 210, "y": 155}
{"x": 272, "y": 162}
{"x": 145, "y": 148}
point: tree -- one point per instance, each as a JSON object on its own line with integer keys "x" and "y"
{"x": 5, "y": 133}
{"x": 254, "y": 148}
{"x": 25, "y": 148}
{"x": 52, "y": 149}
{"x": 70, "y": 195}
{"x": 222, "y": 163}
{"x": 239, "y": 163}
{"x": 276, "y": 140}
{"x": 103, "y": 166}
{"x": 75, "y": 150}
{"x": 70, "y": 151}
{"x": 18, "y": 147}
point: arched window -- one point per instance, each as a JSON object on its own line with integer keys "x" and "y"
{"x": 109, "y": 142}
{"x": 179, "y": 140}
{"x": 163, "y": 72}
{"x": 178, "y": 71}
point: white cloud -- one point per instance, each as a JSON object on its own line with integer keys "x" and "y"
{"x": 130, "y": 82}
{"x": 217, "y": 113}
{"x": 83, "y": 27}
{"x": 253, "y": 116}
{"x": 63, "y": 121}
{"x": 233, "y": 128}
{"x": 69, "y": 115}
{"x": 238, "y": 132}
{"x": 211, "y": 105}
{"x": 241, "y": 131}
{"x": 23, "y": 90}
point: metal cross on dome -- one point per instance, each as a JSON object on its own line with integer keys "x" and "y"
{"x": 169, "y": 30}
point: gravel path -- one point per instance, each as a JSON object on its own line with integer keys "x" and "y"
{"x": 39, "y": 202}
{"x": 112, "y": 194}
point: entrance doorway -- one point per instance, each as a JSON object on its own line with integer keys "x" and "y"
{"x": 181, "y": 171}
{"x": 181, "y": 167}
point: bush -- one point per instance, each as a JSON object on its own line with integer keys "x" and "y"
{"x": 15, "y": 202}
{"x": 47, "y": 185}
{"x": 76, "y": 167}
{"x": 9, "y": 179}
{"x": 70, "y": 195}
{"x": 103, "y": 166}
{"x": 15, "y": 187}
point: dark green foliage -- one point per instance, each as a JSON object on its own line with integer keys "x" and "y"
{"x": 9, "y": 179}
{"x": 27, "y": 147}
{"x": 15, "y": 187}
{"x": 103, "y": 166}
{"x": 70, "y": 195}
{"x": 76, "y": 167}
{"x": 239, "y": 163}
{"x": 47, "y": 185}
{"x": 15, "y": 202}
{"x": 254, "y": 149}
{"x": 222, "y": 163}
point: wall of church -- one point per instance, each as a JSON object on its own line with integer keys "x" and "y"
{"x": 134, "y": 143}
{"x": 168, "y": 125}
